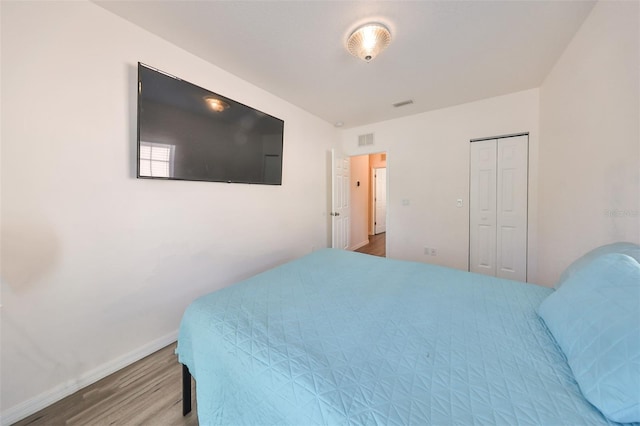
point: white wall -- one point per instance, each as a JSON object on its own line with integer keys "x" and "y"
{"x": 97, "y": 266}
{"x": 590, "y": 140}
{"x": 428, "y": 166}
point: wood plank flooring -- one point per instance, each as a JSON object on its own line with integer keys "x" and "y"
{"x": 148, "y": 392}
{"x": 377, "y": 245}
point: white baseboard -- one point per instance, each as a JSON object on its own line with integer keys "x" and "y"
{"x": 361, "y": 244}
{"x": 37, "y": 403}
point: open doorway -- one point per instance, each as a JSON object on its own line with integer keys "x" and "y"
{"x": 368, "y": 195}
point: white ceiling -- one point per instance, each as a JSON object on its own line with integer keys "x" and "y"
{"x": 442, "y": 53}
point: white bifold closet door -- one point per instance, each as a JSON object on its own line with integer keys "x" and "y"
{"x": 498, "y": 207}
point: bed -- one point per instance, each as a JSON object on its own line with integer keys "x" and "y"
{"x": 339, "y": 337}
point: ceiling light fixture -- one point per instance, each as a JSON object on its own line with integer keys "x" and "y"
{"x": 368, "y": 40}
{"x": 216, "y": 104}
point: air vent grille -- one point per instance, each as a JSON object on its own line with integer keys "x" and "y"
{"x": 364, "y": 140}
{"x": 403, "y": 103}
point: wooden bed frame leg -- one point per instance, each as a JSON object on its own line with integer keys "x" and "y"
{"x": 186, "y": 390}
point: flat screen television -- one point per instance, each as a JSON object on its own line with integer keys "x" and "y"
{"x": 186, "y": 132}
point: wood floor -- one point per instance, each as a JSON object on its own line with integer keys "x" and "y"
{"x": 148, "y": 392}
{"x": 377, "y": 245}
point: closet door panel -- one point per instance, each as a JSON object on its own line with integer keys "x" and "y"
{"x": 482, "y": 208}
{"x": 511, "y": 210}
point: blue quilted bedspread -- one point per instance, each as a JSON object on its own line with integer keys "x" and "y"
{"x": 344, "y": 338}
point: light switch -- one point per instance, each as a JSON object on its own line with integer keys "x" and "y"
{"x": 405, "y": 202}
{"x": 459, "y": 202}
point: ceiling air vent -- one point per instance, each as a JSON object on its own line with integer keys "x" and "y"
{"x": 403, "y": 103}
{"x": 364, "y": 140}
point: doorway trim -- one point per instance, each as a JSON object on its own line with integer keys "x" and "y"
{"x": 369, "y": 177}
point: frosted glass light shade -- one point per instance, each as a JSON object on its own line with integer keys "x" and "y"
{"x": 367, "y": 41}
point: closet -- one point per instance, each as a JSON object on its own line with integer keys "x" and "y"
{"x": 498, "y": 201}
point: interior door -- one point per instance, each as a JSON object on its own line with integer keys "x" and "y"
{"x": 340, "y": 214}
{"x": 511, "y": 222}
{"x": 482, "y": 207}
{"x": 380, "y": 200}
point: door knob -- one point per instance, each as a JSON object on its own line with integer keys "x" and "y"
{"x": 334, "y": 214}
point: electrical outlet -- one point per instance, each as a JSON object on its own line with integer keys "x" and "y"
{"x": 430, "y": 251}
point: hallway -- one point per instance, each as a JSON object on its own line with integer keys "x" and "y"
{"x": 377, "y": 245}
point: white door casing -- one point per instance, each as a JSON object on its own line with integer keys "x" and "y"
{"x": 340, "y": 211}
{"x": 498, "y": 207}
{"x": 380, "y": 200}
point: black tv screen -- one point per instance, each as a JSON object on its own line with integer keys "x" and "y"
{"x": 186, "y": 132}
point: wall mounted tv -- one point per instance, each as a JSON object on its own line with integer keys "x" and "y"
{"x": 188, "y": 133}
